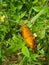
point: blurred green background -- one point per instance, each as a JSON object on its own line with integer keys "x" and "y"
{"x": 13, "y": 49}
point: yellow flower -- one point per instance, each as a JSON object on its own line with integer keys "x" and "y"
{"x": 2, "y": 18}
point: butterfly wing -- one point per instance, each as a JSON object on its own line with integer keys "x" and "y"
{"x": 29, "y": 39}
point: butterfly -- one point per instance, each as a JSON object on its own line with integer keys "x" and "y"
{"x": 28, "y": 37}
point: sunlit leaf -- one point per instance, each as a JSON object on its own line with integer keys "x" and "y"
{"x": 25, "y": 51}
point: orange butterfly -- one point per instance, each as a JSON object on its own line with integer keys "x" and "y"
{"x": 28, "y": 37}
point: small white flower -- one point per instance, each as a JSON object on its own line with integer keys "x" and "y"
{"x": 35, "y": 34}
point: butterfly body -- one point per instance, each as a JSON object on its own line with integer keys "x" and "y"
{"x": 28, "y": 37}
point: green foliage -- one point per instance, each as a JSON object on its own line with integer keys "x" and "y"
{"x": 35, "y": 13}
{"x": 25, "y": 51}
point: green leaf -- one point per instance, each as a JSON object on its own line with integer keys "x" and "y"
{"x": 19, "y": 7}
{"x": 35, "y": 1}
{"x": 12, "y": 49}
{"x": 43, "y": 1}
{"x": 23, "y": 1}
{"x": 41, "y": 51}
{"x": 25, "y": 51}
{"x": 43, "y": 11}
{"x": 37, "y": 8}
{"x": 22, "y": 61}
{"x": 22, "y": 14}
{"x": 4, "y": 4}
{"x": 34, "y": 56}
{"x": 38, "y": 47}
{"x": 42, "y": 34}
